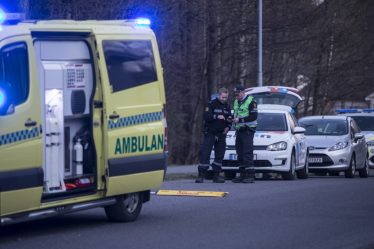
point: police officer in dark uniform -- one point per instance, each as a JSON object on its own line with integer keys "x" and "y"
{"x": 245, "y": 121}
{"x": 217, "y": 117}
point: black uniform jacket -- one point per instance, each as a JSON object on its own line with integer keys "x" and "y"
{"x": 212, "y": 111}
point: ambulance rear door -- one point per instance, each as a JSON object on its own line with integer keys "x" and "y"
{"x": 21, "y": 173}
{"x": 133, "y": 101}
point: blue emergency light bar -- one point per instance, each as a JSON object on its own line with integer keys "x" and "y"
{"x": 341, "y": 111}
{"x": 10, "y": 18}
{"x": 368, "y": 110}
{"x": 143, "y": 22}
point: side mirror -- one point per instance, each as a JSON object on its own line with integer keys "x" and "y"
{"x": 298, "y": 130}
{"x": 6, "y": 100}
{"x": 359, "y": 136}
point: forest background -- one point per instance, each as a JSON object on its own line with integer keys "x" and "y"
{"x": 324, "y": 48}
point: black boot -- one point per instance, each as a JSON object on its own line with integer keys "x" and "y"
{"x": 248, "y": 178}
{"x": 200, "y": 177}
{"x": 239, "y": 178}
{"x": 217, "y": 178}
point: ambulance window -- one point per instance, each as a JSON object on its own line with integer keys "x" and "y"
{"x": 129, "y": 63}
{"x": 15, "y": 71}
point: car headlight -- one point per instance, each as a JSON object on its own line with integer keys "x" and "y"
{"x": 370, "y": 143}
{"x": 277, "y": 146}
{"x": 339, "y": 146}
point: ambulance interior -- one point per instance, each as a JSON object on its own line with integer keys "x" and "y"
{"x": 67, "y": 88}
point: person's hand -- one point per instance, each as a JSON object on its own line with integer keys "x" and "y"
{"x": 220, "y": 117}
{"x": 226, "y": 130}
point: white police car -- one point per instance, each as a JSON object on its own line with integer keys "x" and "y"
{"x": 365, "y": 121}
{"x": 279, "y": 145}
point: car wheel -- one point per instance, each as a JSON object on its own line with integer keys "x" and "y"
{"x": 290, "y": 175}
{"x": 230, "y": 174}
{"x": 334, "y": 173}
{"x": 304, "y": 172}
{"x": 350, "y": 172}
{"x": 364, "y": 172}
{"x": 126, "y": 209}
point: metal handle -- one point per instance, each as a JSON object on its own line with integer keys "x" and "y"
{"x": 114, "y": 116}
{"x": 30, "y": 123}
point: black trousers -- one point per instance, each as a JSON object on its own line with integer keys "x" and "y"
{"x": 219, "y": 143}
{"x": 244, "y": 149}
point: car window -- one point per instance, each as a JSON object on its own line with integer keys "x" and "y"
{"x": 14, "y": 71}
{"x": 129, "y": 63}
{"x": 271, "y": 122}
{"x": 276, "y": 98}
{"x": 324, "y": 127}
{"x": 365, "y": 123}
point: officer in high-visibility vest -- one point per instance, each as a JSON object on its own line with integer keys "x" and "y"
{"x": 217, "y": 117}
{"x": 245, "y": 121}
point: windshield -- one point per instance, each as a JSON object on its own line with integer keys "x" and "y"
{"x": 271, "y": 122}
{"x": 324, "y": 127}
{"x": 276, "y": 98}
{"x": 366, "y": 123}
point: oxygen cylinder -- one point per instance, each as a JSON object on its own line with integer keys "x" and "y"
{"x": 78, "y": 148}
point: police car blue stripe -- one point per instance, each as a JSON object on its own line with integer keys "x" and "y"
{"x": 135, "y": 120}
{"x": 19, "y": 136}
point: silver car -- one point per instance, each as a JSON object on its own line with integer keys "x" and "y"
{"x": 335, "y": 144}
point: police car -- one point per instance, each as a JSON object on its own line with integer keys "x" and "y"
{"x": 279, "y": 145}
{"x": 365, "y": 121}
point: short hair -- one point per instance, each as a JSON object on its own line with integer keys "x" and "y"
{"x": 223, "y": 90}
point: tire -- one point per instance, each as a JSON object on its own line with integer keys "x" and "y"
{"x": 230, "y": 174}
{"x": 364, "y": 173}
{"x": 304, "y": 172}
{"x": 334, "y": 173}
{"x": 350, "y": 172}
{"x": 290, "y": 175}
{"x": 126, "y": 209}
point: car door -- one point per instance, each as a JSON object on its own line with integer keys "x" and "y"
{"x": 300, "y": 145}
{"x": 360, "y": 145}
{"x": 21, "y": 174}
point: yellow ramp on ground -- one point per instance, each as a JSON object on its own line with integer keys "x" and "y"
{"x": 191, "y": 193}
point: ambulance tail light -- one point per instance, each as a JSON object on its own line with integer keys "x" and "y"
{"x": 164, "y": 122}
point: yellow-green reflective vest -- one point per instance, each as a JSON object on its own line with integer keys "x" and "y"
{"x": 241, "y": 111}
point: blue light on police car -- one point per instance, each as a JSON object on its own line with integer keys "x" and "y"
{"x": 368, "y": 110}
{"x": 143, "y": 22}
{"x": 347, "y": 111}
{"x": 282, "y": 90}
{"x": 2, "y": 16}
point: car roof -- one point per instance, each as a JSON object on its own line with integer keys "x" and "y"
{"x": 279, "y": 89}
{"x": 325, "y": 117}
{"x": 278, "y": 108}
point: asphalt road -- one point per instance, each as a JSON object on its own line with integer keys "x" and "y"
{"x": 320, "y": 212}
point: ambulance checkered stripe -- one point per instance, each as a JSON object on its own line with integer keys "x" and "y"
{"x": 135, "y": 120}
{"x": 19, "y": 136}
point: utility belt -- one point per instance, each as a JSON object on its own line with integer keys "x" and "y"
{"x": 246, "y": 128}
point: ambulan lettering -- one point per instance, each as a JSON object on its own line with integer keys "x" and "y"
{"x": 139, "y": 144}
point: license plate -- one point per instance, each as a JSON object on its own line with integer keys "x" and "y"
{"x": 315, "y": 160}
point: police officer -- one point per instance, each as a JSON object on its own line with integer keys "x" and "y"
{"x": 217, "y": 119}
{"x": 245, "y": 116}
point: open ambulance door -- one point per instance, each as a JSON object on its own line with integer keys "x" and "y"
{"x": 133, "y": 113}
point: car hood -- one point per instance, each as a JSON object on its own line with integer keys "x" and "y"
{"x": 369, "y": 135}
{"x": 324, "y": 141}
{"x": 261, "y": 137}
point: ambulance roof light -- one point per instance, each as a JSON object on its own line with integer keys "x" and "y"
{"x": 2, "y": 97}
{"x": 143, "y": 22}
{"x": 2, "y": 16}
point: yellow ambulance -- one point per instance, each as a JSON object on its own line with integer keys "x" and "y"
{"x": 82, "y": 118}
